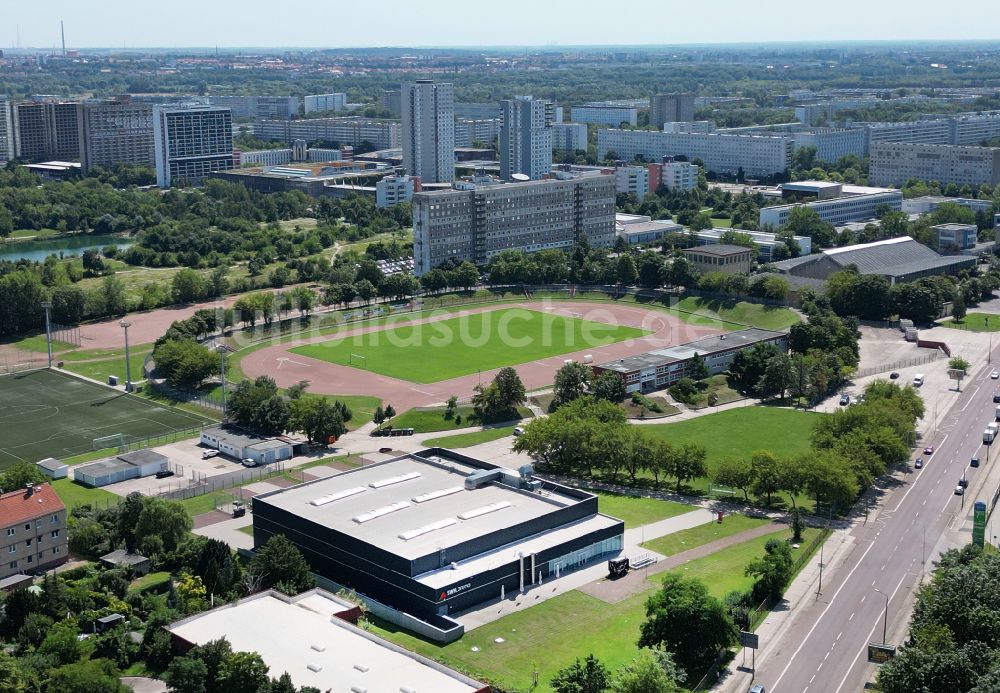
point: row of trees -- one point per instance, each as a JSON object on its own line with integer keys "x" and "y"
{"x": 590, "y": 437}
{"x": 259, "y": 406}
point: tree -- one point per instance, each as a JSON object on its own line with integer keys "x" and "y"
{"x": 829, "y": 478}
{"x": 648, "y": 672}
{"x": 748, "y": 366}
{"x": 735, "y": 472}
{"x": 11, "y": 680}
{"x": 688, "y": 463}
{"x": 165, "y": 520}
{"x": 777, "y": 378}
{"x": 570, "y": 383}
{"x": 772, "y": 572}
{"x": 93, "y": 676}
{"x": 188, "y": 286}
{"x": 500, "y": 399}
{"x": 805, "y": 221}
{"x": 185, "y": 363}
{"x": 766, "y": 474}
{"x": 958, "y": 307}
{"x": 590, "y": 676}
{"x": 62, "y": 643}
{"x": 609, "y": 386}
{"x": 686, "y": 621}
{"x": 958, "y": 363}
{"x": 320, "y": 420}
{"x": 379, "y": 416}
{"x": 626, "y": 272}
{"x": 917, "y": 301}
{"x": 257, "y": 406}
{"x": 365, "y": 290}
{"x": 280, "y": 564}
{"x": 464, "y": 276}
{"x": 19, "y": 474}
{"x": 242, "y": 672}
{"x": 187, "y": 674}
{"x": 680, "y": 272}
{"x": 697, "y": 368}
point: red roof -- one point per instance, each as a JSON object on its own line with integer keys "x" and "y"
{"x": 18, "y": 506}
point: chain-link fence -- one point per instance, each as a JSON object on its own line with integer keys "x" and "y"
{"x": 897, "y": 365}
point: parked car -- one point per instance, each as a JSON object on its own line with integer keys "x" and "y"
{"x": 918, "y": 380}
{"x": 995, "y": 374}
{"x": 959, "y": 491}
{"x": 164, "y": 473}
{"x": 996, "y": 398}
{"x": 845, "y": 399}
{"x": 893, "y": 375}
{"x": 518, "y": 431}
{"x": 756, "y": 688}
{"x": 929, "y": 450}
{"x": 963, "y": 482}
{"x": 974, "y": 462}
{"x": 918, "y": 463}
{"x": 209, "y": 454}
{"x": 385, "y": 451}
{"x": 248, "y": 462}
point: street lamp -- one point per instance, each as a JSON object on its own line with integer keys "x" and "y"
{"x": 222, "y": 370}
{"x": 47, "y": 305}
{"x": 885, "y": 623}
{"x": 125, "y": 324}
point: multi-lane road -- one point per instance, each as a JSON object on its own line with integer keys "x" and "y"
{"x": 823, "y": 649}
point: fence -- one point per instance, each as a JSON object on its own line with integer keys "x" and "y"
{"x": 163, "y": 438}
{"x": 897, "y": 365}
{"x": 224, "y": 482}
{"x": 15, "y": 360}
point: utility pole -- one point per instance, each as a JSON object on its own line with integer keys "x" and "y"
{"x": 47, "y": 305}
{"x": 125, "y": 324}
{"x": 222, "y": 371}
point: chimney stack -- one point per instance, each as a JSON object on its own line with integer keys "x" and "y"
{"x": 30, "y": 489}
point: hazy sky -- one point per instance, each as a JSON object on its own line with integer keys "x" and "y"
{"x": 347, "y": 23}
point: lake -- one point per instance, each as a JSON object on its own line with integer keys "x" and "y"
{"x": 69, "y": 245}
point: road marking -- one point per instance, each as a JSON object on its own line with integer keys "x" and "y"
{"x": 872, "y": 632}
{"x": 821, "y": 616}
{"x": 812, "y": 679}
{"x": 840, "y": 635}
{"x": 826, "y": 656}
{"x": 852, "y": 616}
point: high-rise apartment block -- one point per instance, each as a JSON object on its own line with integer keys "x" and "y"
{"x": 7, "y": 137}
{"x": 670, "y": 108}
{"x": 47, "y": 130}
{"x": 190, "y": 143}
{"x": 525, "y": 137}
{"x": 477, "y": 222}
{"x": 469, "y": 133}
{"x": 352, "y": 131}
{"x": 605, "y": 115}
{"x": 392, "y": 190}
{"x": 569, "y": 137}
{"x": 115, "y": 132}
{"x": 324, "y": 102}
{"x": 673, "y": 175}
{"x": 258, "y": 106}
{"x": 389, "y": 100}
{"x": 429, "y": 130}
{"x": 894, "y": 163}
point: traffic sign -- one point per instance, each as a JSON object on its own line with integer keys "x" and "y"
{"x": 979, "y": 523}
{"x": 748, "y": 639}
{"x": 880, "y": 653}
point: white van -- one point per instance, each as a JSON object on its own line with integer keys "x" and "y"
{"x": 918, "y": 380}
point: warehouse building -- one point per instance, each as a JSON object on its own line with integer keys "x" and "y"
{"x": 897, "y": 259}
{"x": 437, "y": 532}
{"x": 319, "y": 646}
{"x": 659, "y": 369}
{"x": 131, "y": 465}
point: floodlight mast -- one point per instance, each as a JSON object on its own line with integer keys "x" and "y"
{"x": 47, "y": 305}
{"x": 125, "y": 324}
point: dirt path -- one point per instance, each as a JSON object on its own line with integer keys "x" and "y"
{"x": 614, "y": 591}
{"x": 287, "y": 368}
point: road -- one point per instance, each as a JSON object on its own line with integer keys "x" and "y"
{"x": 824, "y": 649}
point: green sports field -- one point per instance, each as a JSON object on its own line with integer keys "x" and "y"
{"x": 446, "y": 349}
{"x": 52, "y": 414}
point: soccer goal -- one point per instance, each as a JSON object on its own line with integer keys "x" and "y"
{"x": 118, "y": 441}
{"x": 357, "y": 360}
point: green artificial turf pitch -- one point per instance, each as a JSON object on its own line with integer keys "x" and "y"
{"x": 51, "y": 414}
{"x": 442, "y": 350}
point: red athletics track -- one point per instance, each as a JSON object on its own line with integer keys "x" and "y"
{"x": 332, "y": 379}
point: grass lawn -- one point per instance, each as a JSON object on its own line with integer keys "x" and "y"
{"x": 73, "y": 495}
{"x": 206, "y": 503}
{"x": 432, "y": 352}
{"x": 464, "y": 440}
{"x": 745, "y": 312}
{"x": 149, "y": 580}
{"x": 722, "y": 572}
{"x": 635, "y": 411}
{"x": 431, "y": 419}
{"x": 722, "y": 223}
{"x": 37, "y": 343}
{"x": 101, "y": 369}
{"x": 703, "y": 534}
{"x": 636, "y": 512}
{"x": 719, "y": 384}
{"x": 739, "y": 432}
{"x": 975, "y": 322}
{"x": 246, "y": 530}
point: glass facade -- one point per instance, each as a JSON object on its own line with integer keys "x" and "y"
{"x": 581, "y": 557}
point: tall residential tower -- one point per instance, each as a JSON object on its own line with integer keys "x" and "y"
{"x": 190, "y": 143}
{"x": 525, "y": 137}
{"x": 429, "y": 130}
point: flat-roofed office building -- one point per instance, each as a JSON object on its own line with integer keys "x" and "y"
{"x": 191, "y": 143}
{"x": 116, "y": 132}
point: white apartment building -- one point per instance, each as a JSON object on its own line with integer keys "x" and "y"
{"x": 917, "y": 131}
{"x": 470, "y": 132}
{"x": 894, "y": 163}
{"x": 477, "y": 111}
{"x": 569, "y": 137}
{"x": 258, "y": 106}
{"x": 604, "y": 115}
{"x": 632, "y": 180}
{"x": 674, "y": 175}
{"x": 477, "y": 222}
{"x": 7, "y": 144}
{"x": 319, "y": 154}
{"x": 429, "y": 130}
{"x": 857, "y": 203}
{"x": 525, "y": 137}
{"x": 392, "y": 190}
{"x": 352, "y": 131}
{"x": 755, "y": 155}
{"x": 190, "y": 143}
{"x": 266, "y": 157}
{"x": 324, "y": 102}
{"x": 113, "y": 132}
{"x": 975, "y": 128}
{"x": 700, "y": 126}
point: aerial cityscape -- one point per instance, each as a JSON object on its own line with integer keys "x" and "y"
{"x": 430, "y": 349}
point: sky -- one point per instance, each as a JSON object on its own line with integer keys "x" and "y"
{"x": 350, "y": 23}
